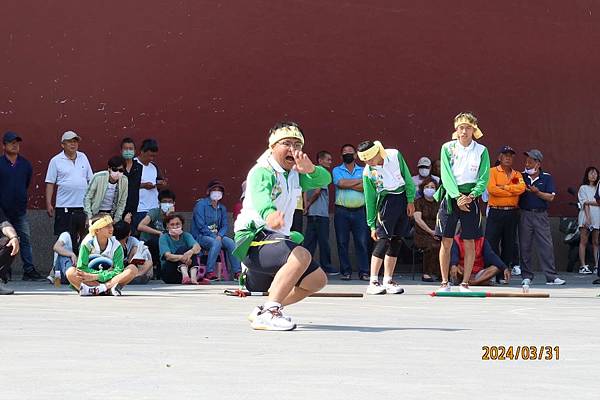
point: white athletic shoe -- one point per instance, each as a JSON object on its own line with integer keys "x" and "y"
{"x": 585, "y": 270}
{"x": 516, "y": 270}
{"x": 85, "y": 290}
{"x": 392, "y": 287}
{"x": 258, "y": 309}
{"x": 464, "y": 288}
{"x": 556, "y": 281}
{"x": 116, "y": 290}
{"x": 272, "y": 319}
{"x": 444, "y": 287}
{"x": 526, "y": 282}
{"x": 375, "y": 288}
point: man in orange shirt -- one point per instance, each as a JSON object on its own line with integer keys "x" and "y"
{"x": 505, "y": 186}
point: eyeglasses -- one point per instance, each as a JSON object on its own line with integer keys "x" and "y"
{"x": 117, "y": 169}
{"x": 294, "y": 145}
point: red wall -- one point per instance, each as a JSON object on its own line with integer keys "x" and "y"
{"x": 208, "y": 78}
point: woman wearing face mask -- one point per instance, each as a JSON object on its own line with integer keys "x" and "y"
{"x": 426, "y": 209}
{"x": 107, "y": 191}
{"x": 179, "y": 254}
{"x": 424, "y": 167}
{"x": 209, "y": 228}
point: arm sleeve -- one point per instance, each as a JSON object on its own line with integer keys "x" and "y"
{"x": 189, "y": 240}
{"x": 491, "y": 258}
{"x": 89, "y": 195}
{"x": 370, "y": 200}
{"x": 517, "y": 188}
{"x": 29, "y": 174}
{"x": 83, "y": 258}
{"x": 260, "y": 185}
{"x": 492, "y": 187}
{"x": 52, "y": 173}
{"x": 483, "y": 176}
{"x": 224, "y": 222}
{"x": 89, "y": 172}
{"x": 159, "y": 175}
{"x": 448, "y": 179}
{"x": 320, "y": 177}
{"x": 551, "y": 188}
{"x": 454, "y": 254}
{"x": 118, "y": 266}
{"x": 409, "y": 185}
{"x": 163, "y": 245}
{"x": 336, "y": 175}
{"x": 122, "y": 193}
{"x": 200, "y": 221}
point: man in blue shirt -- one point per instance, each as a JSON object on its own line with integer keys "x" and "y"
{"x": 15, "y": 177}
{"x": 534, "y": 224}
{"x": 350, "y": 215}
{"x": 209, "y": 228}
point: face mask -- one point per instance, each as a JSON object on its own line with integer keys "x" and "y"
{"x": 128, "y": 154}
{"x": 348, "y": 158}
{"x": 166, "y": 207}
{"x": 175, "y": 231}
{"x": 216, "y": 195}
{"x": 428, "y": 192}
{"x": 530, "y": 171}
{"x": 424, "y": 172}
{"x": 116, "y": 175}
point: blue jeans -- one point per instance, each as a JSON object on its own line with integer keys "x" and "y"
{"x": 352, "y": 220}
{"x": 21, "y": 225}
{"x": 317, "y": 232}
{"x": 214, "y": 247}
{"x": 62, "y": 264}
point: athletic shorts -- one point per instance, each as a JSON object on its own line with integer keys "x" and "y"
{"x": 470, "y": 222}
{"x": 392, "y": 220}
{"x": 265, "y": 261}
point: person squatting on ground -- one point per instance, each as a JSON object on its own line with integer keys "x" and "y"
{"x": 275, "y": 260}
{"x": 486, "y": 266}
{"x": 465, "y": 170}
{"x": 100, "y": 268}
{"x": 135, "y": 253}
{"x": 389, "y": 197}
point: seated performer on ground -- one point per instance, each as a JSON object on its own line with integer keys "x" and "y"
{"x": 389, "y": 197}
{"x": 275, "y": 260}
{"x": 100, "y": 268}
{"x": 487, "y": 263}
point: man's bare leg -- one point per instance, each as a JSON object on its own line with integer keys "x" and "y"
{"x": 469, "y": 259}
{"x": 389, "y": 265}
{"x": 376, "y": 265}
{"x": 289, "y": 274}
{"x": 311, "y": 283}
{"x": 445, "y": 252}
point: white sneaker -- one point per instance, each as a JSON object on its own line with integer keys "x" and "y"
{"x": 596, "y": 270}
{"x": 258, "y": 309}
{"x": 50, "y": 278}
{"x": 526, "y": 282}
{"x": 375, "y": 288}
{"x": 444, "y": 288}
{"x": 585, "y": 270}
{"x": 392, "y": 288}
{"x": 556, "y": 281}
{"x": 85, "y": 290}
{"x": 464, "y": 288}
{"x": 272, "y": 319}
{"x": 116, "y": 290}
{"x": 516, "y": 270}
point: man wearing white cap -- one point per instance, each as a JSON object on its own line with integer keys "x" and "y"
{"x": 70, "y": 170}
{"x": 424, "y": 167}
{"x": 275, "y": 260}
{"x": 465, "y": 170}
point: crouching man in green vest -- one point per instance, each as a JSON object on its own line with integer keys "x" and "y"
{"x": 275, "y": 260}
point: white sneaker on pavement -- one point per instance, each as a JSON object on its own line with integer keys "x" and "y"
{"x": 444, "y": 287}
{"x": 585, "y": 270}
{"x": 375, "y": 288}
{"x": 272, "y": 319}
{"x": 464, "y": 288}
{"x": 526, "y": 282}
{"x": 85, "y": 290}
{"x": 392, "y": 287}
{"x": 258, "y": 309}
{"x": 556, "y": 281}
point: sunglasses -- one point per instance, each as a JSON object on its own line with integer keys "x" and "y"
{"x": 117, "y": 169}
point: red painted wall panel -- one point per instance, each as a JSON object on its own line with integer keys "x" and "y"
{"x": 208, "y": 78}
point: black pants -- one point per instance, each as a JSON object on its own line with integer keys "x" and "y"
{"x": 62, "y": 218}
{"x": 169, "y": 271}
{"x": 5, "y": 259}
{"x": 298, "y": 221}
{"x": 501, "y": 232}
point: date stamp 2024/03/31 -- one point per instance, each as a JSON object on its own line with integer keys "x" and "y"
{"x": 527, "y": 353}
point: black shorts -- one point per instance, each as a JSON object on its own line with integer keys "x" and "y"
{"x": 470, "y": 222}
{"x": 392, "y": 220}
{"x": 62, "y": 219}
{"x": 264, "y": 261}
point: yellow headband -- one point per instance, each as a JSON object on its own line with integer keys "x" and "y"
{"x": 464, "y": 120}
{"x": 99, "y": 224}
{"x": 372, "y": 152}
{"x": 287, "y": 132}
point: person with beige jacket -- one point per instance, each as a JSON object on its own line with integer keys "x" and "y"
{"x": 107, "y": 191}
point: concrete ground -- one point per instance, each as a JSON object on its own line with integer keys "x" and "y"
{"x": 173, "y": 342}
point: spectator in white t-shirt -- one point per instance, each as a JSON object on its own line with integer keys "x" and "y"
{"x": 151, "y": 182}
{"x": 66, "y": 248}
{"x": 70, "y": 170}
{"x": 424, "y": 167}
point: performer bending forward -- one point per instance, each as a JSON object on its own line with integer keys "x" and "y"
{"x": 272, "y": 254}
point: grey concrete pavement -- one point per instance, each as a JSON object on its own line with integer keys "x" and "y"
{"x": 174, "y": 342}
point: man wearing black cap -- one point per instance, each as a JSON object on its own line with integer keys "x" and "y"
{"x": 504, "y": 187}
{"x": 534, "y": 224}
{"x": 210, "y": 226}
{"x": 15, "y": 177}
